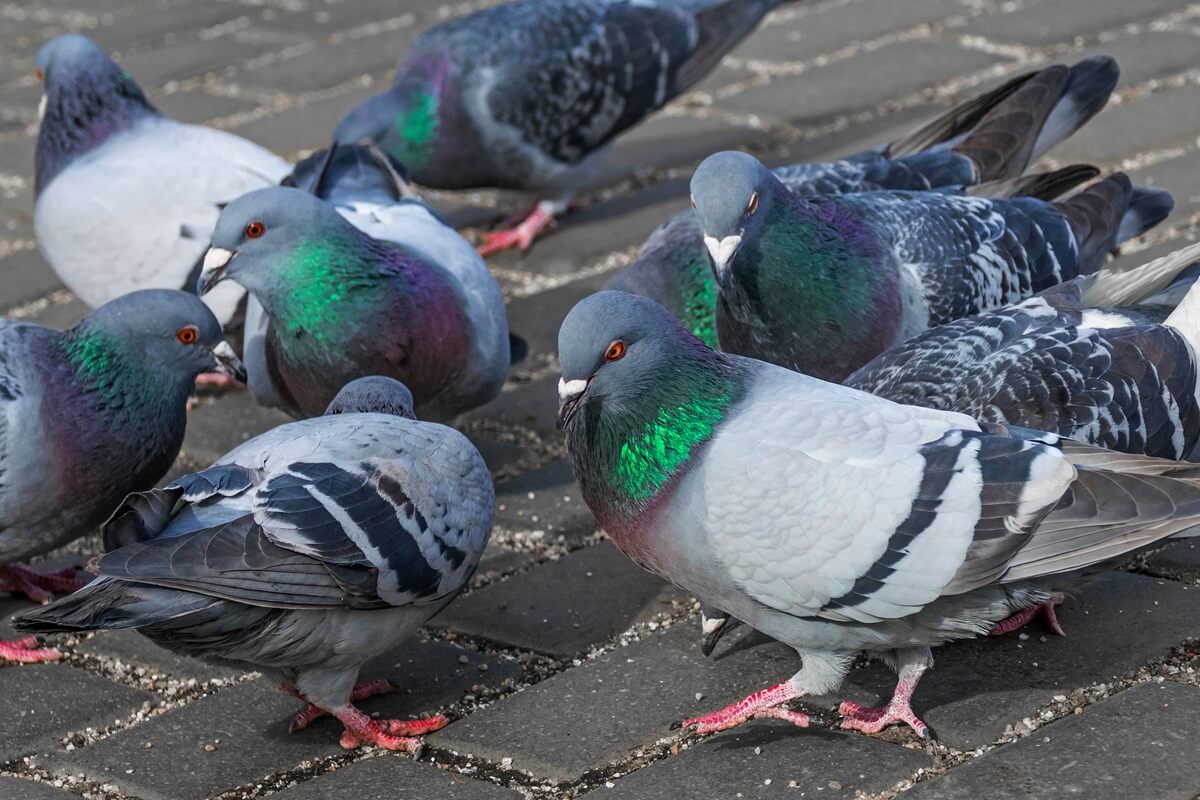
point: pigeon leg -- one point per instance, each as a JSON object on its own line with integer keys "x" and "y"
{"x": 759, "y": 704}
{"x": 1022, "y": 618}
{"x": 390, "y": 734}
{"x": 361, "y": 692}
{"x": 39, "y": 586}
{"x": 898, "y": 709}
{"x": 26, "y": 651}
{"x": 537, "y": 222}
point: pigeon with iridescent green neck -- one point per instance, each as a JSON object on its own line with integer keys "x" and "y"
{"x": 835, "y": 521}
{"x": 127, "y": 198}
{"x": 528, "y": 94}
{"x": 89, "y": 415}
{"x": 980, "y": 146}
{"x": 409, "y": 300}
{"x": 824, "y": 284}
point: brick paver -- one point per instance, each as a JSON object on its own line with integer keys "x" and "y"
{"x": 570, "y": 701}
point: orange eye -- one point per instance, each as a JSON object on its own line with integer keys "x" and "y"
{"x": 615, "y": 351}
{"x": 255, "y": 230}
{"x": 188, "y": 334}
{"x": 40, "y": 75}
{"x": 753, "y": 205}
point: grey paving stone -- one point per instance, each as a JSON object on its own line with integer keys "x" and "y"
{"x": 533, "y": 405}
{"x": 612, "y": 705}
{"x": 380, "y": 778}
{"x": 185, "y": 59}
{"x": 198, "y": 107}
{"x": 536, "y": 317}
{"x": 219, "y": 424}
{"x": 1144, "y": 742}
{"x": 42, "y": 702}
{"x": 1179, "y": 176}
{"x": 16, "y": 157}
{"x": 503, "y": 459}
{"x": 322, "y": 17}
{"x": 24, "y": 276}
{"x": 562, "y": 607}
{"x": 9, "y": 605}
{"x": 1179, "y": 560}
{"x": 1164, "y": 119}
{"x": 762, "y": 760}
{"x": 144, "y": 26}
{"x": 248, "y": 725}
{"x": 1064, "y": 20}
{"x": 801, "y": 37}
{"x": 20, "y": 789}
{"x": 329, "y": 65}
{"x": 135, "y": 650}
{"x": 546, "y": 499}
{"x": 885, "y": 74}
{"x": 1148, "y": 55}
{"x": 497, "y": 561}
{"x": 305, "y": 127}
{"x": 1119, "y": 622}
{"x": 61, "y": 315}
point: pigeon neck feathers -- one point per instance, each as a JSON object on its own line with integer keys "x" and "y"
{"x": 635, "y": 450}
{"x": 810, "y": 287}
{"x": 83, "y": 109}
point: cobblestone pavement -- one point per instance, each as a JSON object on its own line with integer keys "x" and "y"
{"x": 564, "y": 665}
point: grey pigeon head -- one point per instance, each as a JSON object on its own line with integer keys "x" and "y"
{"x": 175, "y": 331}
{"x": 612, "y": 347}
{"x": 374, "y": 394}
{"x": 259, "y": 229}
{"x": 731, "y": 193}
{"x": 87, "y": 99}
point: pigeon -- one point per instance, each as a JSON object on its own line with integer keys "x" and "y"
{"x": 87, "y": 416}
{"x": 375, "y": 289}
{"x": 303, "y": 553}
{"x": 988, "y": 140}
{"x": 127, "y": 198}
{"x": 527, "y": 94}
{"x": 835, "y": 521}
{"x": 824, "y": 284}
{"x": 1067, "y": 361}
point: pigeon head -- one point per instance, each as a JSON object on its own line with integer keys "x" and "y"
{"x": 375, "y": 394}
{"x": 87, "y": 98}
{"x": 263, "y": 229}
{"x": 731, "y": 193}
{"x": 171, "y": 331}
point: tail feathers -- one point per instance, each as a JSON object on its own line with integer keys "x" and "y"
{"x": 1110, "y": 212}
{"x": 1186, "y": 316}
{"x": 1089, "y": 86}
{"x": 722, "y": 25}
{"x": 1127, "y": 287}
{"x": 1042, "y": 185}
{"x": 955, "y": 123}
{"x": 108, "y": 604}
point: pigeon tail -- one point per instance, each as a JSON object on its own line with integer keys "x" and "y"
{"x": 1110, "y": 212}
{"x": 110, "y": 605}
{"x": 723, "y": 24}
{"x": 1042, "y": 185}
{"x": 1089, "y": 85}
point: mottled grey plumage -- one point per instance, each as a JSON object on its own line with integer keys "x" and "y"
{"x": 824, "y": 284}
{"x": 302, "y": 553}
{"x": 93, "y": 413}
{"x": 990, "y": 139}
{"x": 869, "y": 525}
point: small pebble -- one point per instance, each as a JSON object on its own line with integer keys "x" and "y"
{"x": 148, "y": 745}
{"x": 464, "y": 660}
{"x": 210, "y": 748}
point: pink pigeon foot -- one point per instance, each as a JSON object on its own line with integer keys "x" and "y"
{"x": 26, "y": 651}
{"x": 361, "y": 692}
{"x": 898, "y": 709}
{"x": 389, "y": 734}
{"x": 39, "y": 586}
{"x": 521, "y": 236}
{"x": 1023, "y": 617}
{"x": 759, "y": 704}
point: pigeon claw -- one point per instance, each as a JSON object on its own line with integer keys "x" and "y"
{"x": 361, "y": 692}
{"x": 388, "y": 734}
{"x": 26, "y": 651}
{"x": 873, "y": 720}
{"x": 761, "y": 705}
{"x": 521, "y": 237}
{"x": 1025, "y": 615}
{"x": 39, "y": 586}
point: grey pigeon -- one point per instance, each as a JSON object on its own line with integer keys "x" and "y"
{"x": 87, "y": 416}
{"x": 378, "y": 288}
{"x": 824, "y": 284}
{"x": 990, "y": 139}
{"x": 303, "y": 553}
{"x": 527, "y": 94}
{"x": 127, "y": 198}
{"x": 1105, "y": 359}
{"x": 832, "y": 520}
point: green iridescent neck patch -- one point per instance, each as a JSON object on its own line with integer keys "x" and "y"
{"x": 416, "y": 126}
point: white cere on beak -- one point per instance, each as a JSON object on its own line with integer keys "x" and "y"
{"x": 42, "y": 109}
{"x": 723, "y": 250}
{"x": 570, "y": 389}
{"x": 215, "y": 258}
{"x": 223, "y": 350}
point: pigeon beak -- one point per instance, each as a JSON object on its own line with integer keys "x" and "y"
{"x": 713, "y": 625}
{"x": 722, "y": 252}
{"x": 216, "y": 261}
{"x": 570, "y": 395}
{"x": 228, "y": 363}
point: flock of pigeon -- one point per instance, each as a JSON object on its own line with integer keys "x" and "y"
{"x": 873, "y": 405}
